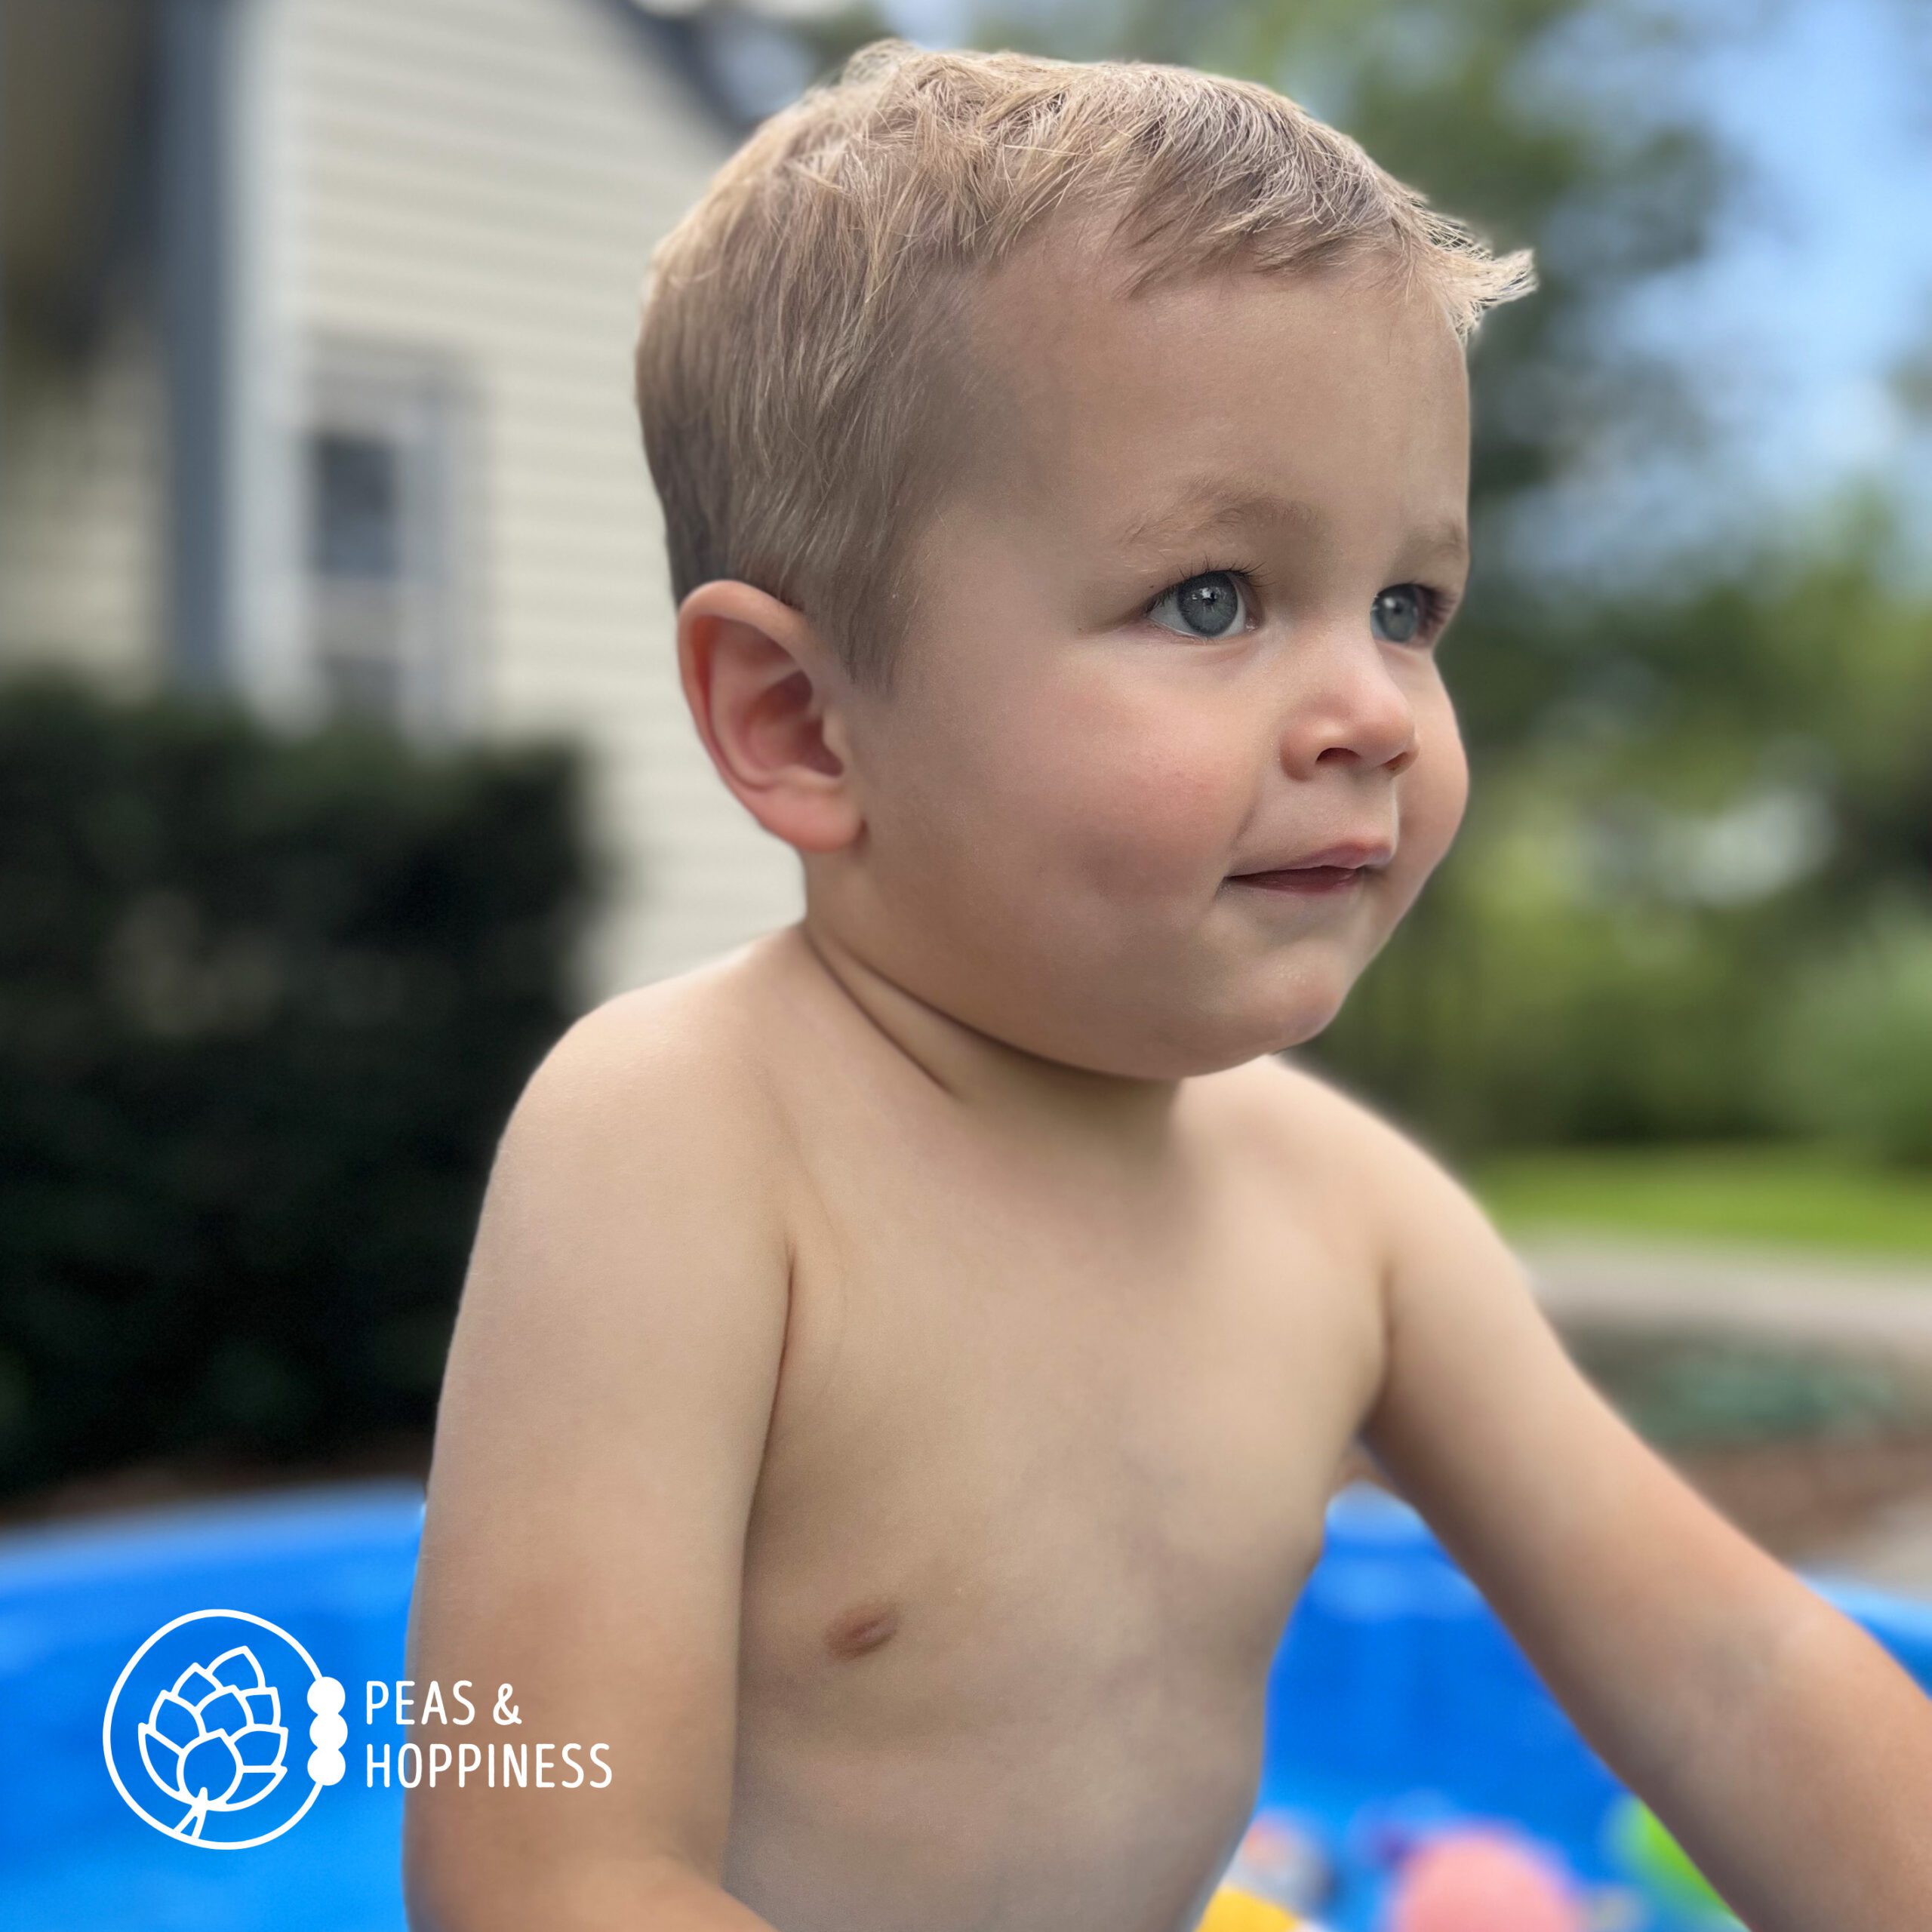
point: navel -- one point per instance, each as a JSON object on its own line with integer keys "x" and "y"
{"x": 862, "y": 1630}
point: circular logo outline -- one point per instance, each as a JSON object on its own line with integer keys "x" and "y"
{"x": 114, "y": 1698}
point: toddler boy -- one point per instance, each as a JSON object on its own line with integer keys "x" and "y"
{"x": 904, "y": 1365}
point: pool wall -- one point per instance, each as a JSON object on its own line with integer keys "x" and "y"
{"x": 1394, "y": 1677}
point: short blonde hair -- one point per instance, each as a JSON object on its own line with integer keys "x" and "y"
{"x": 803, "y": 380}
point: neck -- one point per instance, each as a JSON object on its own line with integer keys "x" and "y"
{"x": 1024, "y": 1092}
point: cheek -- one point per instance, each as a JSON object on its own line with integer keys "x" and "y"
{"x": 1131, "y": 794}
{"x": 1437, "y": 788}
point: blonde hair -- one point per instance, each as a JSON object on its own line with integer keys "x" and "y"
{"x": 803, "y": 383}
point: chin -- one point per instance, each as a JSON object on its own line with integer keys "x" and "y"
{"x": 1289, "y": 1007}
{"x": 1303, "y": 1029}
{"x": 1235, "y": 1036}
{"x": 1295, "y": 1014}
{"x": 1297, "y": 1029}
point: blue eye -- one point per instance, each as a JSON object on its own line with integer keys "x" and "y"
{"x": 1408, "y": 613}
{"x": 1210, "y": 599}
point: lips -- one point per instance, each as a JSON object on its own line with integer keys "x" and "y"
{"x": 1334, "y": 869}
{"x": 1352, "y": 855}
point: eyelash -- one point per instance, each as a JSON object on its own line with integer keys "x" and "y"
{"x": 1438, "y": 606}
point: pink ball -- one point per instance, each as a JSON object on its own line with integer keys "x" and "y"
{"x": 1483, "y": 1882}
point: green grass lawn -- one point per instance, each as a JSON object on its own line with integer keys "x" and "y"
{"x": 1768, "y": 1195}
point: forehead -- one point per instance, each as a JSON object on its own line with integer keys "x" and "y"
{"x": 1309, "y": 399}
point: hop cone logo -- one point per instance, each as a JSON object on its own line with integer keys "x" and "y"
{"x": 214, "y": 1741}
{"x": 218, "y": 1689}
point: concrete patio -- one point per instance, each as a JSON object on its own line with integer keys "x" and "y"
{"x": 1871, "y": 1307}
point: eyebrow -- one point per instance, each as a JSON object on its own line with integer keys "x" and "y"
{"x": 1203, "y": 509}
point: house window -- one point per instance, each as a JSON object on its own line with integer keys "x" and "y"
{"x": 359, "y": 506}
{"x": 388, "y": 631}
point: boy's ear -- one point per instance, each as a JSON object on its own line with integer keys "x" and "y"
{"x": 757, "y": 680}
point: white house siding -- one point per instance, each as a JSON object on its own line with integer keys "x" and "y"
{"x": 484, "y": 179}
{"x": 81, "y": 567}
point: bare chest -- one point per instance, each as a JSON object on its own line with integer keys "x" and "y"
{"x": 1043, "y": 1478}
{"x": 1046, "y": 1473}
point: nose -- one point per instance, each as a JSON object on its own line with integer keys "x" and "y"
{"x": 1348, "y": 708}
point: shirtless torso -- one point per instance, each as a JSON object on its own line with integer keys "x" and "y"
{"x": 1045, "y": 1469}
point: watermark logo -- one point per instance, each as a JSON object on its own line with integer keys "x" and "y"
{"x": 197, "y": 1729}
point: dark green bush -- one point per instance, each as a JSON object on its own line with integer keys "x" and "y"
{"x": 265, "y": 1004}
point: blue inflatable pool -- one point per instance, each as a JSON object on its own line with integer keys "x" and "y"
{"x": 1396, "y": 1693}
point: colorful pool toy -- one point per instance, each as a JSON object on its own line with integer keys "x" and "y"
{"x": 1485, "y": 1879}
{"x": 1639, "y": 1839}
{"x": 1284, "y": 1860}
{"x": 1231, "y": 1909}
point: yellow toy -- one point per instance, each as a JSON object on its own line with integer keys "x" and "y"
{"x": 1231, "y": 1909}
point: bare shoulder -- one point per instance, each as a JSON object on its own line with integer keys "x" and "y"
{"x": 1404, "y": 1221}
{"x": 688, "y": 1047}
{"x": 1386, "y": 1178}
{"x": 635, "y": 1206}
{"x": 1298, "y": 1100}
{"x": 645, "y": 1158}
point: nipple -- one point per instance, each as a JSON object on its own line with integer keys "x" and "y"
{"x": 862, "y": 1629}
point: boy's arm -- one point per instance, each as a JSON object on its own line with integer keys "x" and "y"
{"x": 599, "y": 1437}
{"x": 1786, "y": 1750}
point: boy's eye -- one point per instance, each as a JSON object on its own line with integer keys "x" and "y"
{"x": 1208, "y": 600}
{"x": 1403, "y": 613}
